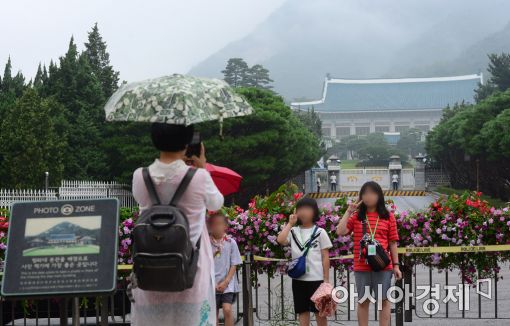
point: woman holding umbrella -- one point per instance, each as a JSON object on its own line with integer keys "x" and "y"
{"x": 196, "y": 305}
{"x": 173, "y": 104}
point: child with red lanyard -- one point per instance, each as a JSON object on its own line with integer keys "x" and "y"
{"x": 382, "y": 227}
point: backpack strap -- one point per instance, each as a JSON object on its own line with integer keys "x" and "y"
{"x": 182, "y": 186}
{"x": 309, "y": 243}
{"x": 150, "y": 187}
{"x": 364, "y": 231}
{"x": 364, "y": 225}
{"x": 296, "y": 240}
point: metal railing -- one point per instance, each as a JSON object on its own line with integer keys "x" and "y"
{"x": 266, "y": 299}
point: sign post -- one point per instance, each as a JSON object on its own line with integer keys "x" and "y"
{"x": 62, "y": 249}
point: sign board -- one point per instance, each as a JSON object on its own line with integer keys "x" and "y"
{"x": 66, "y": 247}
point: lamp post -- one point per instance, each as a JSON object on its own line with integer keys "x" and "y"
{"x": 477, "y": 175}
{"x": 46, "y": 181}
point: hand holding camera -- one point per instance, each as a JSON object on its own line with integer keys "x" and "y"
{"x": 195, "y": 152}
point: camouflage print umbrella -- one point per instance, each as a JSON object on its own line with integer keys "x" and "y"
{"x": 176, "y": 99}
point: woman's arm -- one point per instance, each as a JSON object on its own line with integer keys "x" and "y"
{"x": 325, "y": 264}
{"x": 213, "y": 197}
{"x": 282, "y": 236}
{"x": 341, "y": 228}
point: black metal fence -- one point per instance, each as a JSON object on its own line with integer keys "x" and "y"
{"x": 268, "y": 300}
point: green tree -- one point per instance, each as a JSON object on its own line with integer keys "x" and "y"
{"x": 466, "y": 146}
{"x": 127, "y": 146}
{"x": 499, "y": 70}
{"x": 258, "y": 76}
{"x": 7, "y": 79}
{"x": 268, "y": 147}
{"x": 236, "y": 72}
{"x": 353, "y": 144}
{"x": 11, "y": 84}
{"x": 410, "y": 142}
{"x": 76, "y": 86}
{"x": 311, "y": 120}
{"x": 99, "y": 59}
{"x": 29, "y": 142}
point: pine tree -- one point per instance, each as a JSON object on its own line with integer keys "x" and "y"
{"x": 236, "y": 72}
{"x": 499, "y": 68}
{"x": 258, "y": 76}
{"x": 76, "y": 86}
{"x": 29, "y": 143}
{"x": 7, "y": 80}
{"x": 38, "y": 79}
{"x": 99, "y": 59}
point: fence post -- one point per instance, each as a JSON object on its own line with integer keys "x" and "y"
{"x": 63, "y": 314}
{"x": 400, "y": 305}
{"x": 247, "y": 296}
{"x": 408, "y": 280}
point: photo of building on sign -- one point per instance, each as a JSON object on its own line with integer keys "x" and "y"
{"x": 62, "y": 236}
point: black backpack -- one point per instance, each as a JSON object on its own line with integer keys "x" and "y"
{"x": 163, "y": 256}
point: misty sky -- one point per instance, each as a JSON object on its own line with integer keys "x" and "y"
{"x": 145, "y": 38}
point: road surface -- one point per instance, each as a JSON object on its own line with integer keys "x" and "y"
{"x": 403, "y": 203}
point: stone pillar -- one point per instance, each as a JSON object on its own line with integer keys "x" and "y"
{"x": 308, "y": 181}
{"x": 353, "y": 129}
{"x": 333, "y": 130}
{"x": 372, "y": 127}
{"x": 419, "y": 173}
{"x": 392, "y": 126}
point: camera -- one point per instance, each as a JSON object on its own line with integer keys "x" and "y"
{"x": 195, "y": 146}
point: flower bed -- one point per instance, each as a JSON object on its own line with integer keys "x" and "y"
{"x": 464, "y": 220}
{"x": 456, "y": 220}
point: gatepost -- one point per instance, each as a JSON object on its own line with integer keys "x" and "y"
{"x": 247, "y": 295}
{"x": 419, "y": 172}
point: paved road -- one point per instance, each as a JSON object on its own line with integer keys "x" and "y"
{"x": 402, "y": 202}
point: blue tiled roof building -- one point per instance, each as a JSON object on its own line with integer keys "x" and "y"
{"x": 358, "y": 107}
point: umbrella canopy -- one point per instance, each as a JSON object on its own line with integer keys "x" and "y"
{"x": 176, "y": 99}
{"x": 323, "y": 300}
{"x": 226, "y": 180}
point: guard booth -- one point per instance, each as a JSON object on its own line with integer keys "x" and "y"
{"x": 395, "y": 167}
{"x": 333, "y": 166}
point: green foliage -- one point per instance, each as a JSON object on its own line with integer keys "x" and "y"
{"x": 311, "y": 120}
{"x": 499, "y": 69}
{"x": 99, "y": 60}
{"x": 258, "y": 76}
{"x": 237, "y": 73}
{"x": 127, "y": 146}
{"x": 267, "y": 147}
{"x": 30, "y": 143}
{"x": 74, "y": 92}
{"x": 410, "y": 142}
{"x": 475, "y": 136}
{"x": 371, "y": 150}
{"x": 78, "y": 89}
{"x": 494, "y": 202}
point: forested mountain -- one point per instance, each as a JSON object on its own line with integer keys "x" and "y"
{"x": 304, "y": 40}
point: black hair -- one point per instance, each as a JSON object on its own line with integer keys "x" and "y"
{"x": 309, "y": 202}
{"x": 171, "y": 138}
{"x": 381, "y": 205}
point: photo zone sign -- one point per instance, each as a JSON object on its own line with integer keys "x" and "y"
{"x": 61, "y": 248}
